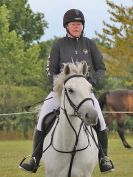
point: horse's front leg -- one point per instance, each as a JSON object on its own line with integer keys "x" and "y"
{"x": 120, "y": 130}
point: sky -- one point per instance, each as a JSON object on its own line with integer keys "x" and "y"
{"x": 95, "y": 11}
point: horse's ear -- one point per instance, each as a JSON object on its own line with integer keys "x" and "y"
{"x": 67, "y": 69}
{"x": 85, "y": 68}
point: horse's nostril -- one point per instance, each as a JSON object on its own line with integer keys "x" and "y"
{"x": 86, "y": 115}
{"x": 91, "y": 114}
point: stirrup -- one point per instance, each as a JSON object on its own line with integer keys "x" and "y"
{"x": 26, "y": 158}
{"x": 109, "y": 167}
{"x": 34, "y": 167}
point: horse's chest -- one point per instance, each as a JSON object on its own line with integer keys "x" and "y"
{"x": 82, "y": 163}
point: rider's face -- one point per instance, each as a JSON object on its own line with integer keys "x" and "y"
{"x": 75, "y": 28}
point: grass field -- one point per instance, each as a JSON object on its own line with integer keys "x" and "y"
{"x": 11, "y": 152}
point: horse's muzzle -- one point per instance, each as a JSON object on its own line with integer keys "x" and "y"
{"x": 91, "y": 117}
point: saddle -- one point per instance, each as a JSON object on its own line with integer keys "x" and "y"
{"x": 49, "y": 121}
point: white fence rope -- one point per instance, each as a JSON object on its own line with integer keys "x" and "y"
{"x": 18, "y": 113}
{"x": 34, "y": 112}
{"x": 119, "y": 112}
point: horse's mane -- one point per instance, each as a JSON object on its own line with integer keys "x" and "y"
{"x": 75, "y": 68}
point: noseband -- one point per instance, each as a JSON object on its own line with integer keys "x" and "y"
{"x": 76, "y": 107}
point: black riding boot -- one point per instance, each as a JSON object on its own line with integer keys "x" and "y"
{"x": 33, "y": 164}
{"x": 38, "y": 140}
{"x": 105, "y": 164}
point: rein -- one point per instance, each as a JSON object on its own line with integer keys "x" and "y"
{"x": 77, "y": 137}
{"x": 73, "y": 152}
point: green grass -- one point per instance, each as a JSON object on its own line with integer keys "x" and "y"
{"x": 11, "y": 152}
{"x": 121, "y": 157}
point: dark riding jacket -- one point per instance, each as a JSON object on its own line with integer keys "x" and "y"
{"x": 80, "y": 49}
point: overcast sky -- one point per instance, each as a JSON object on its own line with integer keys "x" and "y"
{"x": 95, "y": 11}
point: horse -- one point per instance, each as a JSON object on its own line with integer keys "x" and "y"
{"x": 118, "y": 102}
{"x": 71, "y": 147}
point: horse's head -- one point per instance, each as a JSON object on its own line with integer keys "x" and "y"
{"x": 75, "y": 92}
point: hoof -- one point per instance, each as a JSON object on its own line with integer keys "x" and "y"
{"x": 128, "y": 146}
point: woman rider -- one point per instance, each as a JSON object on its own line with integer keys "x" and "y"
{"x": 71, "y": 48}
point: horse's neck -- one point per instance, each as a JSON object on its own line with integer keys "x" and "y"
{"x": 64, "y": 122}
{"x": 65, "y": 136}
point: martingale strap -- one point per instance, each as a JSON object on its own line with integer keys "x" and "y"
{"x": 76, "y": 142}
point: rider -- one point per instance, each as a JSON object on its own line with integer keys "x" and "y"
{"x": 73, "y": 47}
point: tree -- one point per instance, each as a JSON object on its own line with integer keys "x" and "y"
{"x": 22, "y": 77}
{"x": 27, "y": 24}
{"x": 123, "y": 18}
{"x": 18, "y": 66}
{"x": 117, "y": 42}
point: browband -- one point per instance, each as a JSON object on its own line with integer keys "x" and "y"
{"x": 75, "y": 75}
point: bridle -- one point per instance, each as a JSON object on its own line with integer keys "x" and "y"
{"x": 75, "y": 108}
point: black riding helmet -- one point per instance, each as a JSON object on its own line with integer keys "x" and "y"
{"x": 73, "y": 15}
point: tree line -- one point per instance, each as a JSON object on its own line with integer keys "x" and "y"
{"x": 23, "y": 57}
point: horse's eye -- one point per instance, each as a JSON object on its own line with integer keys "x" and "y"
{"x": 70, "y": 90}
